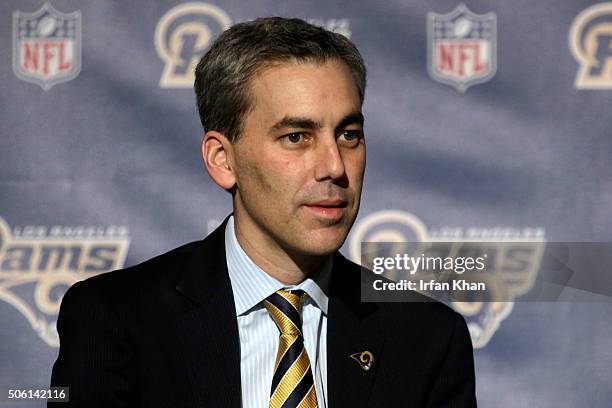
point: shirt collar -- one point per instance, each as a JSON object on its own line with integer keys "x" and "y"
{"x": 251, "y": 284}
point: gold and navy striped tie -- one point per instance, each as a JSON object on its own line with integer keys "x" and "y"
{"x": 292, "y": 383}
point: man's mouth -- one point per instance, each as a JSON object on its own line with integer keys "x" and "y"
{"x": 336, "y": 203}
{"x": 332, "y": 209}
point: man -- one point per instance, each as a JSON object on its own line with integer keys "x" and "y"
{"x": 265, "y": 312}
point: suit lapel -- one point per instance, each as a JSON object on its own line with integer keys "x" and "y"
{"x": 351, "y": 328}
{"x": 207, "y": 335}
{"x": 208, "y": 341}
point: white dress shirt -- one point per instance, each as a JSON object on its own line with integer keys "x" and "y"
{"x": 259, "y": 335}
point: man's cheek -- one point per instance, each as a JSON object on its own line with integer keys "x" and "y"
{"x": 253, "y": 176}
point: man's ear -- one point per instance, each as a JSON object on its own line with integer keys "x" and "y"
{"x": 217, "y": 153}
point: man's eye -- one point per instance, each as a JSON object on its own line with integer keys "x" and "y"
{"x": 294, "y": 138}
{"x": 352, "y": 136}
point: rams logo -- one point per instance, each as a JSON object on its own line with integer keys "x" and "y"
{"x": 37, "y": 269}
{"x": 182, "y": 36}
{"x": 514, "y": 261}
{"x": 590, "y": 40}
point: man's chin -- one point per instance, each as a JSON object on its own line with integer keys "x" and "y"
{"x": 316, "y": 237}
{"x": 325, "y": 241}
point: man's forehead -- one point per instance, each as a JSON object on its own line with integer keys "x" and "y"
{"x": 292, "y": 92}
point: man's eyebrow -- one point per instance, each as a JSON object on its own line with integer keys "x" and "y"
{"x": 295, "y": 122}
{"x": 354, "y": 118}
{"x": 306, "y": 123}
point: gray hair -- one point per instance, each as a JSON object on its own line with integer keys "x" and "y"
{"x": 222, "y": 76}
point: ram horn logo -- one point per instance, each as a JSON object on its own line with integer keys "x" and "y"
{"x": 36, "y": 271}
{"x": 182, "y": 36}
{"x": 517, "y": 260}
{"x": 590, "y": 41}
{"x": 461, "y": 47}
{"x": 46, "y": 46}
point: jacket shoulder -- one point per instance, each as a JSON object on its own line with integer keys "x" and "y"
{"x": 157, "y": 273}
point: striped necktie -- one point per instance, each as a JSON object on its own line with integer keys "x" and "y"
{"x": 292, "y": 383}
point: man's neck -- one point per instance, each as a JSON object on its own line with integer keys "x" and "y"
{"x": 286, "y": 266}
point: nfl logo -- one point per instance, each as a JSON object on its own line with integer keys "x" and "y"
{"x": 461, "y": 47}
{"x": 46, "y": 46}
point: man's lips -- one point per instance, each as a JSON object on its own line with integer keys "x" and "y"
{"x": 328, "y": 204}
{"x": 330, "y": 209}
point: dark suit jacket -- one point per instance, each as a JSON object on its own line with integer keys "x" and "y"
{"x": 164, "y": 334}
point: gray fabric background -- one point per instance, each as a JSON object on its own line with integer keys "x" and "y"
{"x": 524, "y": 150}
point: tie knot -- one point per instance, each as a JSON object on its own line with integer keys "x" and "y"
{"x": 284, "y": 307}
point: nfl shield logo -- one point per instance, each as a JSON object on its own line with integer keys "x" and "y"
{"x": 461, "y": 47}
{"x": 46, "y": 46}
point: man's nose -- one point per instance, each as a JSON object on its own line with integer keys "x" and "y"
{"x": 329, "y": 163}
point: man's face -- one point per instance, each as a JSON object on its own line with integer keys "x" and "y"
{"x": 300, "y": 159}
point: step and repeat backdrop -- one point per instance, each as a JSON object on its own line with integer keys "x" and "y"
{"x": 488, "y": 121}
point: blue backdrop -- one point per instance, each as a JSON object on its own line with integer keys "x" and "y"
{"x": 490, "y": 122}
